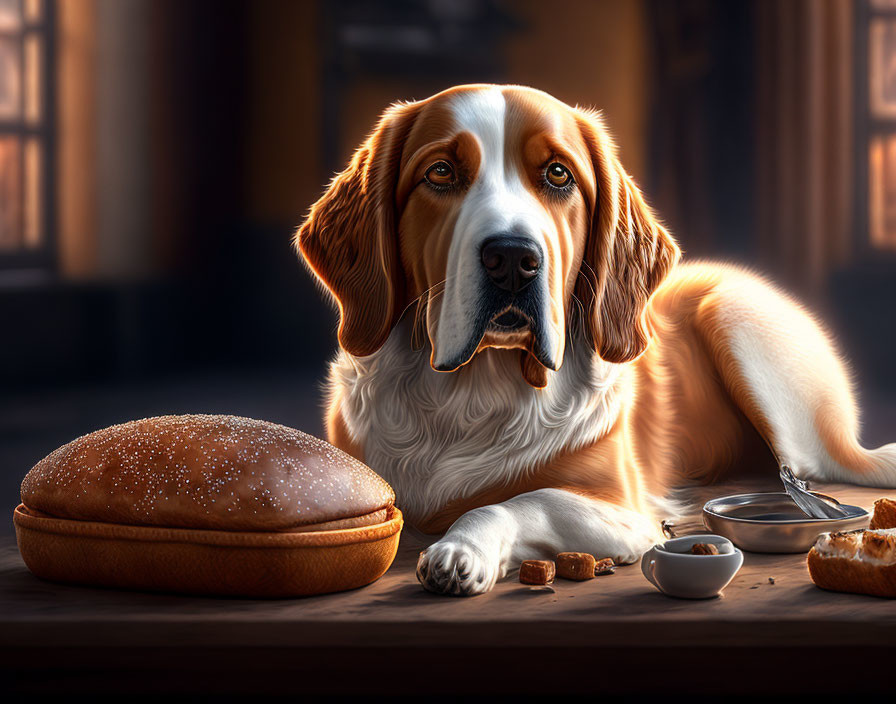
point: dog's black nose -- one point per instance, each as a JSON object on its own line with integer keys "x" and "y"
{"x": 510, "y": 262}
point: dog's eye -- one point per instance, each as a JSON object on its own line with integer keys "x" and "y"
{"x": 440, "y": 174}
{"x": 558, "y": 175}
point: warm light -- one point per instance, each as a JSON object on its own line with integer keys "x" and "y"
{"x": 10, "y": 78}
{"x": 32, "y": 78}
{"x": 33, "y": 10}
{"x": 10, "y": 194}
{"x": 882, "y": 68}
{"x": 33, "y": 235}
{"x": 882, "y": 144}
{"x": 882, "y": 191}
{"x": 10, "y": 19}
{"x": 22, "y": 128}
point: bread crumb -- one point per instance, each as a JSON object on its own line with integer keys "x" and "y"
{"x": 604, "y": 566}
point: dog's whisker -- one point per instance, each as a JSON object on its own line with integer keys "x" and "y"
{"x": 577, "y": 316}
{"x": 418, "y": 328}
{"x": 580, "y": 307}
{"x": 417, "y": 300}
{"x": 592, "y": 284}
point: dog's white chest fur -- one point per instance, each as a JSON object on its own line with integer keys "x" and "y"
{"x": 438, "y": 436}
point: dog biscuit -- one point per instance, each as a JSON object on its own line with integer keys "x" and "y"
{"x": 537, "y": 572}
{"x": 577, "y": 566}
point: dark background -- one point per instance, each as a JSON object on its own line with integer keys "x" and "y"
{"x": 181, "y": 292}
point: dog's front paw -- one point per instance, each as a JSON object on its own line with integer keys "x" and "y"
{"x": 457, "y": 569}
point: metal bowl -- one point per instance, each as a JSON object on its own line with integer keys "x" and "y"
{"x": 772, "y": 522}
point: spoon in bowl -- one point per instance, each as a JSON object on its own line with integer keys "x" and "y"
{"x": 812, "y": 505}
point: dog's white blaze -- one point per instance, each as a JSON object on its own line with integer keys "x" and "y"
{"x": 497, "y": 202}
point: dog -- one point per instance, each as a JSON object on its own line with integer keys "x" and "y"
{"x": 525, "y": 360}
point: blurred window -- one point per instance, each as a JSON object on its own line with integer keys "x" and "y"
{"x": 25, "y": 122}
{"x": 880, "y": 29}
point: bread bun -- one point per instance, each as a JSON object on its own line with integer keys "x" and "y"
{"x": 207, "y": 505}
{"x": 860, "y": 561}
{"x": 206, "y": 471}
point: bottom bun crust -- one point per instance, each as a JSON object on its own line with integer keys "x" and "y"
{"x": 207, "y": 562}
{"x": 840, "y": 574}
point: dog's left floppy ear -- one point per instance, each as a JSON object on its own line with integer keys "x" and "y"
{"x": 627, "y": 255}
{"x": 350, "y": 241}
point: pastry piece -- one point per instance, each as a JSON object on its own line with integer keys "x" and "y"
{"x": 704, "y": 549}
{"x": 604, "y": 566}
{"x": 577, "y": 566}
{"x": 537, "y": 572}
{"x": 860, "y": 561}
{"x": 206, "y": 504}
{"x": 884, "y": 515}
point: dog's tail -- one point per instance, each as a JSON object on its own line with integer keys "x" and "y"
{"x": 782, "y": 370}
{"x": 845, "y": 460}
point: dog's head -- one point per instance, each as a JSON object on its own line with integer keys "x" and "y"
{"x": 498, "y": 215}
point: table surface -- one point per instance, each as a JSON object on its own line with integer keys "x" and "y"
{"x": 622, "y": 609}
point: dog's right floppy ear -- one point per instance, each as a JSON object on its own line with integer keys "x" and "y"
{"x": 627, "y": 255}
{"x": 349, "y": 239}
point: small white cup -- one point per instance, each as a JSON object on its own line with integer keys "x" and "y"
{"x": 675, "y": 571}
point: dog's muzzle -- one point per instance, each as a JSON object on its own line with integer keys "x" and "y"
{"x": 509, "y": 299}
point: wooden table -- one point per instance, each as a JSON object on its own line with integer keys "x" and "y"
{"x": 610, "y": 634}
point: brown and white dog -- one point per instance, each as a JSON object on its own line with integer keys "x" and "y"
{"x": 522, "y": 359}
